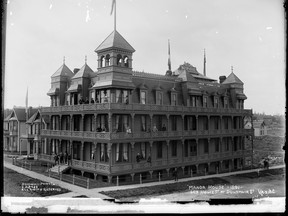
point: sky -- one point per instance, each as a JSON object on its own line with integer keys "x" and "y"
{"x": 246, "y": 34}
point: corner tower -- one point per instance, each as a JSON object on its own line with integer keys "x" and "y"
{"x": 114, "y": 62}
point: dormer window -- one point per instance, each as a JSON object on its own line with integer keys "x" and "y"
{"x": 126, "y": 61}
{"x": 159, "y": 98}
{"x": 216, "y": 102}
{"x": 143, "y": 96}
{"x": 193, "y": 101}
{"x": 173, "y": 99}
{"x": 119, "y": 60}
{"x": 108, "y": 60}
{"x": 225, "y": 103}
{"x": 102, "y": 61}
{"x": 204, "y": 101}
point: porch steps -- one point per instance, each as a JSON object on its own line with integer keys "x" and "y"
{"x": 59, "y": 168}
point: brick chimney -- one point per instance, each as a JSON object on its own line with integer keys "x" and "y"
{"x": 222, "y": 79}
{"x": 76, "y": 70}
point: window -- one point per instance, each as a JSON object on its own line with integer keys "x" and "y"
{"x": 102, "y": 61}
{"x": 206, "y": 147}
{"x": 174, "y": 123}
{"x": 159, "y": 98}
{"x": 226, "y": 144}
{"x": 225, "y": 123}
{"x": 121, "y": 123}
{"x": 193, "y": 148}
{"x": 121, "y": 152}
{"x": 204, "y": 101}
{"x": 143, "y": 97}
{"x": 216, "y": 102}
{"x": 174, "y": 148}
{"x": 126, "y": 61}
{"x": 108, "y": 60}
{"x": 193, "y": 101}
{"x": 104, "y": 157}
{"x": 143, "y": 150}
{"x": 186, "y": 145}
{"x": 159, "y": 149}
{"x": 225, "y": 103}
{"x": 216, "y": 146}
{"x": 143, "y": 123}
{"x": 174, "y": 99}
{"x": 119, "y": 60}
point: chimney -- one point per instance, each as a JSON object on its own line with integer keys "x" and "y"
{"x": 222, "y": 79}
{"x": 76, "y": 70}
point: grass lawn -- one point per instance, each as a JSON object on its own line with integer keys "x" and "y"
{"x": 19, "y": 185}
{"x": 163, "y": 189}
{"x": 137, "y": 193}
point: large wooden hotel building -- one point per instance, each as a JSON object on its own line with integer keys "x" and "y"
{"x": 120, "y": 122}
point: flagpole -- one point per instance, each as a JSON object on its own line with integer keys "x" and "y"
{"x": 115, "y": 16}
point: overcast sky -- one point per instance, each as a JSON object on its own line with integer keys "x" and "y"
{"x": 246, "y": 34}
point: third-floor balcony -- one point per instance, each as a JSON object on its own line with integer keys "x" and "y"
{"x": 89, "y": 135}
{"x": 140, "y": 107}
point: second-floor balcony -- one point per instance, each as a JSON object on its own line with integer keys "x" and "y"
{"x": 89, "y": 135}
{"x": 140, "y": 107}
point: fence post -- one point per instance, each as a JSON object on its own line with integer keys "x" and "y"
{"x": 117, "y": 178}
{"x": 49, "y": 172}
{"x": 73, "y": 179}
{"x": 30, "y": 166}
{"x": 159, "y": 177}
{"x": 191, "y": 173}
{"x": 140, "y": 178}
{"x": 88, "y": 183}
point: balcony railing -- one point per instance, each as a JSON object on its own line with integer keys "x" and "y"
{"x": 104, "y": 168}
{"x": 140, "y": 135}
{"x": 140, "y": 107}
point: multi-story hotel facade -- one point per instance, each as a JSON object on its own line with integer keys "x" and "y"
{"x": 120, "y": 122}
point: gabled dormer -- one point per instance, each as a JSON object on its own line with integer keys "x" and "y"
{"x": 59, "y": 82}
{"x": 236, "y": 90}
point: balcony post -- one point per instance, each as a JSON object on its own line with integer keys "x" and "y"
{"x": 60, "y": 123}
{"x": 132, "y": 154}
{"x": 82, "y": 151}
{"x": 132, "y": 123}
{"x": 82, "y": 126}
{"x": 197, "y": 144}
{"x": 95, "y": 122}
{"x": 51, "y": 122}
{"x": 109, "y": 150}
{"x": 110, "y": 122}
{"x": 182, "y": 117}
{"x": 208, "y": 140}
{"x": 95, "y": 151}
{"x": 220, "y": 122}
{"x": 208, "y": 119}
{"x": 220, "y": 145}
{"x": 151, "y": 122}
{"x": 232, "y": 143}
{"x": 183, "y": 154}
{"x": 71, "y": 122}
{"x": 167, "y": 143}
{"x": 59, "y": 145}
{"x": 196, "y": 117}
{"x": 168, "y": 125}
{"x": 151, "y": 147}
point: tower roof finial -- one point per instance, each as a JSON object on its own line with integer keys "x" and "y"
{"x": 63, "y": 59}
{"x": 232, "y": 69}
{"x": 204, "y": 68}
{"x": 85, "y": 59}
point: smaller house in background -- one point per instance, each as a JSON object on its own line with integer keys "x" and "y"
{"x": 268, "y": 120}
{"x": 260, "y": 128}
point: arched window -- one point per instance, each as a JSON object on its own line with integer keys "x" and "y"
{"x": 102, "y": 63}
{"x": 126, "y": 61}
{"x": 119, "y": 60}
{"x": 108, "y": 60}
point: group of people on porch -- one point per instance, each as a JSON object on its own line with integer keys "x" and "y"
{"x": 62, "y": 158}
